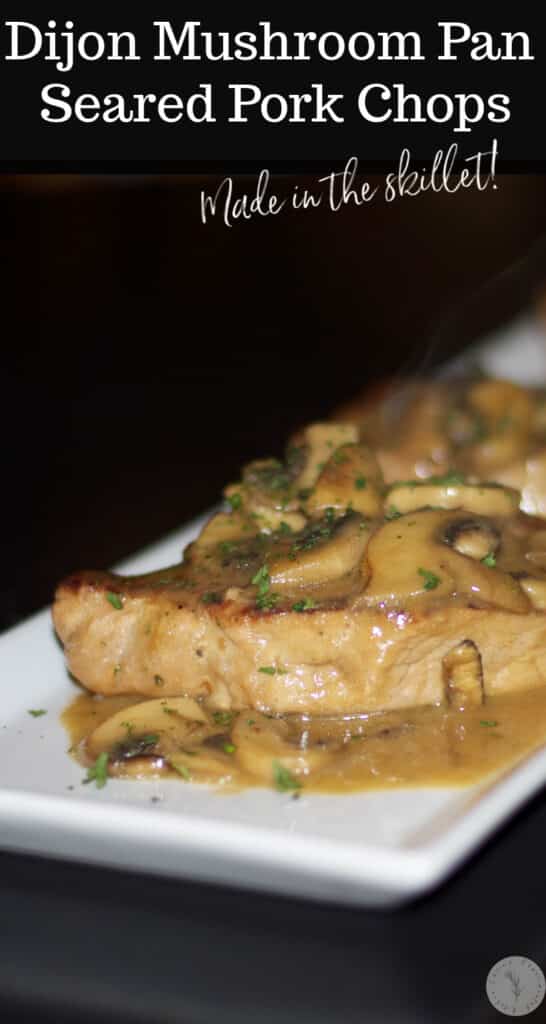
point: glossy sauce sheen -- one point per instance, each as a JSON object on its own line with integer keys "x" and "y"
{"x": 429, "y": 746}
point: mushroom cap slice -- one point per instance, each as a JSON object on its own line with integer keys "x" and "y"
{"x": 409, "y": 557}
{"x": 329, "y": 557}
{"x": 351, "y": 478}
{"x": 151, "y": 727}
{"x": 482, "y": 499}
{"x": 260, "y": 741}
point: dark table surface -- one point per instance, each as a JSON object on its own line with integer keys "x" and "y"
{"x": 151, "y": 359}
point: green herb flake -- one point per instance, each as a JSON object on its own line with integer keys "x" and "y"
{"x": 262, "y": 581}
{"x": 37, "y": 712}
{"x": 489, "y": 724}
{"x": 392, "y": 513}
{"x": 250, "y": 721}
{"x": 226, "y": 547}
{"x": 268, "y": 670}
{"x": 430, "y": 578}
{"x": 150, "y": 739}
{"x": 266, "y": 601}
{"x": 490, "y": 561}
{"x": 98, "y": 772}
{"x": 360, "y": 483}
{"x": 283, "y": 778}
{"x": 211, "y": 597}
{"x": 451, "y": 479}
{"x": 115, "y": 600}
{"x": 304, "y": 606}
{"x": 222, "y": 717}
{"x": 235, "y": 500}
{"x": 182, "y": 770}
{"x": 305, "y": 493}
{"x": 339, "y": 458}
{"x": 229, "y": 748}
{"x": 285, "y": 528}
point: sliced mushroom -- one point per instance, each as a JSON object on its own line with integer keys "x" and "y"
{"x": 260, "y": 741}
{"x": 326, "y": 551}
{"x": 408, "y": 558}
{"x": 220, "y": 528}
{"x": 351, "y": 478}
{"x": 463, "y": 676}
{"x": 535, "y": 590}
{"x": 474, "y": 538}
{"x": 482, "y": 499}
{"x": 203, "y": 764}
{"x": 320, "y": 441}
{"x": 152, "y": 728}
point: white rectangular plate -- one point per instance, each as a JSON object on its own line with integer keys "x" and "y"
{"x": 369, "y": 849}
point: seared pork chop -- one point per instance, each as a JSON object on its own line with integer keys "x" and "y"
{"x": 320, "y": 592}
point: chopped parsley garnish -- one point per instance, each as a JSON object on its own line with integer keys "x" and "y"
{"x": 313, "y": 536}
{"x": 430, "y": 578}
{"x": 447, "y": 480}
{"x": 211, "y": 597}
{"x": 229, "y": 748}
{"x": 490, "y": 561}
{"x": 340, "y": 457}
{"x": 115, "y": 600}
{"x": 304, "y": 606}
{"x": 330, "y": 515}
{"x": 226, "y": 546}
{"x": 285, "y": 528}
{"x": 283, "y": 778}
{"x": 98, "y": 772}
{"x": 251, "y": 721}
{"x": 222, "y": 717}
{"x": 268, "y": 670}
{"x": 265, "y": 599}
{"x": 392, "y": 513}
{"x": 37, "y": 712}
{"x": 182, "y": 770}
{"x": 235, "y": 500}
{"x": 261, "y": 580}
{"x": 360, "y": 483}
{"x": 489, "y": 724}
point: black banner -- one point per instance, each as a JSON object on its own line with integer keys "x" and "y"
{"x": 183, "y": 87}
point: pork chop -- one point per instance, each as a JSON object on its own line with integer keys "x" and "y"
{"x": 326, "y": 598}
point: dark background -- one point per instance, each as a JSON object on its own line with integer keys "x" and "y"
{"x": 149, "y": 357}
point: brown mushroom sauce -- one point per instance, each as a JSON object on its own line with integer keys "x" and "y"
{"x": 342, "y": 538}
{"x": 432, "y": 746}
